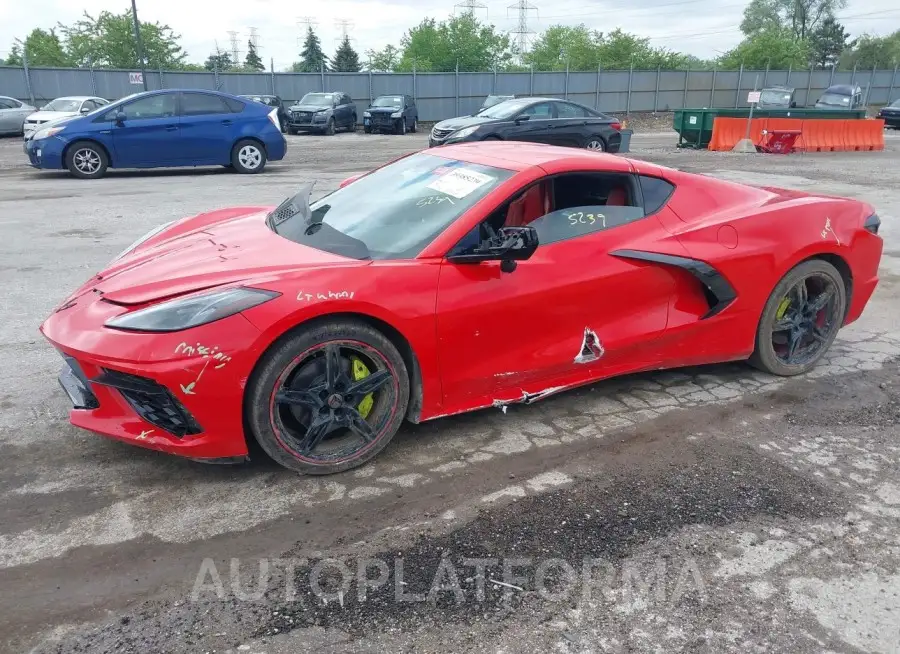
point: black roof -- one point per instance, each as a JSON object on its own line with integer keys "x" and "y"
{"x": 843, "y": 89}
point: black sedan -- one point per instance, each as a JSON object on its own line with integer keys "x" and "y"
{"x": 272, "y": 101}
{"x": 891, "y": 114}
{"x": 538, "y": 120}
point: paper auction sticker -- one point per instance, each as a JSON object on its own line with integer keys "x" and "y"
{"x": 460, "y": 182}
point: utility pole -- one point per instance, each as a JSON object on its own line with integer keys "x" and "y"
{"x": 309, "y": 23}
{"x": 137, "y": 41}
{"x": 522, "y": 7}
{"x": 235, "y": 52}
{"x": 345, "y": 26}
{"x": 469, "y": 7}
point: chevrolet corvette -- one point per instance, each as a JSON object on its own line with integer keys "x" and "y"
{"x": 449, "y": 280}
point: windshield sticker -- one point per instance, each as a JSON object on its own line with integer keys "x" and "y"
{"x": 460, "y": 183}
{"x": 433, "y": 199}
{"x": 441, "y": 170}
{"x": 327, "y": 295}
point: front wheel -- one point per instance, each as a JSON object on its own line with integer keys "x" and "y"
{"x": 401, "y": 127}
{"x": 329, "y": 129}
{"x": 328, "y": 398}
{"x": 801, "y": 319}
{"x": 248, "y": 156}
{"x": 86, "y": 160}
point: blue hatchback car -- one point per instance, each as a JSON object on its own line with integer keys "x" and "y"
{"x": 161, "y": 129}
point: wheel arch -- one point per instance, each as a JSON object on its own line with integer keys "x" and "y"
{"x": 65, "y": 152}
{"x": 843, "y": 268}
{"x": 255, "y": 139}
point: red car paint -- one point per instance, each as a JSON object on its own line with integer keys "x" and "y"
{"x": 480, "y": 337}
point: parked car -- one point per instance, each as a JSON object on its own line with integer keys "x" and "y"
{"x": 491, "y": 100}
{"x": 272, "y": 101}
{"x": 298, "y": 341}
{"x": 322, "y": 112}
{"x": 777, "y": 97}
{"x": 391, "y": 113}
{"x": 840, "y": 96}
{"x": 12, "y": 115}
{"x": 65, "y": 107}
{"x": 539, "y": 120}
{"x": 162, "y": 129}
{"x": 891, "y": 115}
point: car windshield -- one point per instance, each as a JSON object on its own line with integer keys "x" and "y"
{"x": 505, "y": 109}
{"x": 265, "y": 99}
{"x": 775, "y": 97}
{"x": 388, "y": 101}
{"x": 393, "y": 212}
{"x": 317, "y": 99}
{"x": 895, "y": 104}
{"x": 836, "y": 99}
{"x": 63, "y": 104}
{"x": 493, "y": 100}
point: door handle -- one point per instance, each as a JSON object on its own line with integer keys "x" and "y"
{"x": 106, "y": 131}
{"x": 171, "y": 128}
{"x": 226, "y": 122}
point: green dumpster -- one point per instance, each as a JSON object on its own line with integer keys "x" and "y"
{"x": 694, "y": 126}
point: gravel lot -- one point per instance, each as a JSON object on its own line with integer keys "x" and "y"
{"x": 705, "y": 510}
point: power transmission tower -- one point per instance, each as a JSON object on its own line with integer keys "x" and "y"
{"x": 235, "y": 52}
{"x": 254, "y": 38}
{"x": 308, "y": 23}
{"x": 469, "y": 7}
{"x": 523, "y": 7}
{"x": 344, "y": 26}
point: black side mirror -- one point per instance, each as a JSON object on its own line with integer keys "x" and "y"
{"x": 120, "y": 117}
{"x": 85, "y": 110}
{"x": 509, "y": 245}
{"x": 519, "y": 119}
{"x": 793, "y": 105}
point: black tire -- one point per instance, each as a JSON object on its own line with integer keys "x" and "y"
{"x": 296, "y": 365}
{"x": 401, "y": 127}
{"x": 367, "y": 130}
{"x": 595, "y": 143}
{"x": 86, "y": 160}
{"x": 291, "y": 130}
{"x": 415, "y": 126}
{"x": 786, "y": 306}
{"x": 352, "y": 126}
{"x": 248, "y": 157}
{"x": 329, "y": 129}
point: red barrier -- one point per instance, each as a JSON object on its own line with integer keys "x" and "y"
{"x": 816, "y": 135}
{"x": 728, "y": 131}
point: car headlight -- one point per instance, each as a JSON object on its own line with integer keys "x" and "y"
{"x": 465, "y": 131}
{"x": 146, "y": 237}
{"x": 187, "y": 312}
{"x": 47, "y": 132}
{"x": 396, "y": 114}
{"x": 367, "y": 114}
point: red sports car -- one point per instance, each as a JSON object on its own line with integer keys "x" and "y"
{"x": 449, "y": 280}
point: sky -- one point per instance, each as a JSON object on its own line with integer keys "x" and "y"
{"x": 704, "y": 28}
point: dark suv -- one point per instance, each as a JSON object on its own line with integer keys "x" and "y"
{"x": 323, "y": 113}
{"x": 272, "y": 101}
{"x": 391, "y": 113}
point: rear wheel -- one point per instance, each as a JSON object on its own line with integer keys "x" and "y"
{"x": 595, "y": 143}
{"x": 248, "y": 156}
{"x": 367, "y": 130}
{"x": 401, "y": 126}
{"x": 801, "y": 319}
{"x": 86, "y": 160}
{"x": 328, "y": 398}
{"x": 415, "y": 126}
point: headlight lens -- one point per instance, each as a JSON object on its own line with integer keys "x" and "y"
{"x": 184, "y": 313}
{"x": 367, "y": 114}
{"x": 396, "y": 114}
{"x": 47, "y": 132}
{"x": 465, "y": 131}
{"x": 153, "y": 232}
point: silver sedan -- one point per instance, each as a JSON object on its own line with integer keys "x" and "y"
{"x": 13, "y": 114}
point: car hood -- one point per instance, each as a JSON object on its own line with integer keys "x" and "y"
{"x": 51, "y": 115}
{"x": 209, "y": 250}
{"x": 890, "y": 110}
{"x": 308, "y": 107}
{"x": 383, "y": 110}
{"x": 462, "y": 121}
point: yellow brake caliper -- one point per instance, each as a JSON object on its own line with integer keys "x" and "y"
{"x": 782, "y": 308}
{"x": 361, "y": 371}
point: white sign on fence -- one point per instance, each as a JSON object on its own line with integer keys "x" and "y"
{"x": 135, "y": 78}
{"x": 753, "y": 97}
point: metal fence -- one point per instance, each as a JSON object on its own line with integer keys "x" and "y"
{"x": 444, "y": 95}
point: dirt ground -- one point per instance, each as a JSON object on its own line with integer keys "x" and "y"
{"x": 704, "y": 510}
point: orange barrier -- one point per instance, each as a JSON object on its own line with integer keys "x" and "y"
{"x": 817, "y": 135}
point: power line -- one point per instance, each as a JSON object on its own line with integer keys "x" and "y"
{"x": 469, "y": 7}
{"x": 310, "y": 23}
{"x": 343, "y": 25}
{"x": 523, "y": 7}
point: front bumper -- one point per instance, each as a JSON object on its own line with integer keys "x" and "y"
{"x": 890, "y": 120}
{"x": 46, "y": 153}
{"x": 179, "y": 393}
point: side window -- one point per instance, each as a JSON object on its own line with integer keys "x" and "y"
{"x": 88, "y": 105}
{"x": 566, "y": 110}
{"x": 542, "y": 110}
{"x": 6, "y": 104}
{"x": 236, "y": 106}
{"x": 100, "y": 102}
{"x": 201, "y": 104}
{"x": 154, "y": 106}
{"x": 656, "y": 193}
{"x": 347, "y": 100}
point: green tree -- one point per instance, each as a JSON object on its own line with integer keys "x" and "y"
{"x": 557, "y": 43}
{"x": 312, "y": 59}
{"x": 252, "y": 60}
{"x": 219, "y": 60}
{"x": 43, "y": 48}
{"x": 870, "y": 51}
{"x": 345, "y": 58}
{"x": 384, "y": 60}
{"x": 462, "y": 40}
{"x": 827, "y": 42}
{"x": 800, "y": 17}
{"x": 775, "y": 47}
{"x": 108, "y": 40}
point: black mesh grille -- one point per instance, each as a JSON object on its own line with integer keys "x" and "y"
{"x": 441, "y": 133}
{"x": 152, "y": 402}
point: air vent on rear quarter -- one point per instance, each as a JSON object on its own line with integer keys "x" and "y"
{"x": 873, "y": 223}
